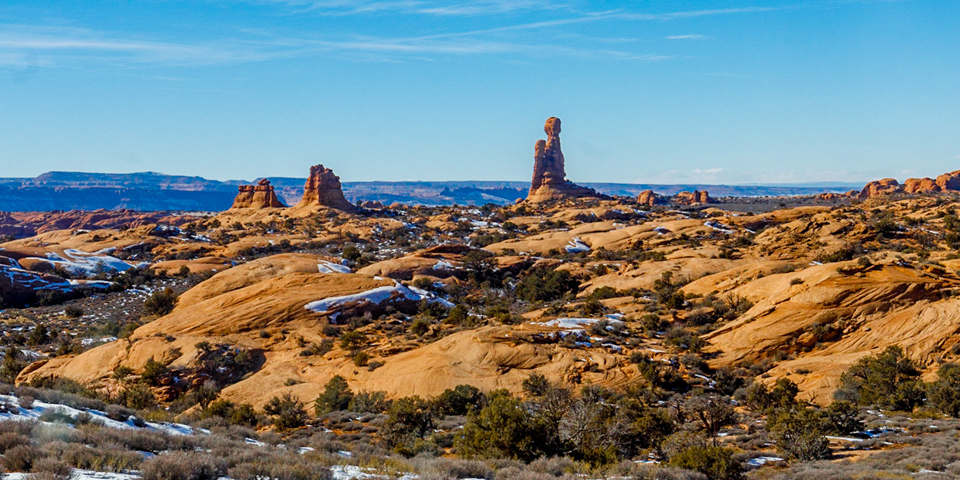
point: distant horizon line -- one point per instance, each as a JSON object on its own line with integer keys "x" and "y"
{"x": 234, "y": 181}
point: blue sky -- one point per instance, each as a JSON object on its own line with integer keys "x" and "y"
{"x": 648, "y": 91}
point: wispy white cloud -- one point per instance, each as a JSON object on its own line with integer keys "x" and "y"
{"x": 424, "y": 7}
{"x": 687, "y": 37}
{"x": 37, "y": 45}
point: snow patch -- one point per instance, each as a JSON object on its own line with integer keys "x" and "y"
{"x": 576, "y": 246}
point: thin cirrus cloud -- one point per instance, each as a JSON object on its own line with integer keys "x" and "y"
{"x": 471, "y": 8}
{"x": 687, "y": 37}
{"x": 31, "y": 45}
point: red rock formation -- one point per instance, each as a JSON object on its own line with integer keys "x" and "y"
{"x": 323, "y": 189}
{"x": 949, "y": 181}
{"x": 880, "y": 187}
{"x": 257, "y": 196}
{"x": 549, "y": 178}
{"x": 921, "y": 185}
{"x": 649, "y": 198}
{"x": 373, "y": 205}
{"x": 690, "y": 198}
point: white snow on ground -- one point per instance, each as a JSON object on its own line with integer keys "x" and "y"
{"x": 31, "y": 280}
{"x": 443, "y": 265}
{"x": 79, "y": 262}
{"x": 396, "y": 292}
{"x": 576, "y": 246}
{"x": 572, "y": 323}
{"x": 39, "y": 407}
{"x": 350, "y": 472}
{"x": 330, "y": 267}
{"x": 719, "y": 227}
{"x": 661, "y": 230}
{"x": 761, "y": 461}
{"x": 101, "y": 284}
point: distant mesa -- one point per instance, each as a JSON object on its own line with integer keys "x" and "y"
{"x": 549, "y": 178}
{"x": 257, "y": 196}
{"x": 323, "y": 189}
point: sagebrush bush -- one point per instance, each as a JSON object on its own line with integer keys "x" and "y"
{"x": 182, "y": 466}
{"x": 20, "y": 458}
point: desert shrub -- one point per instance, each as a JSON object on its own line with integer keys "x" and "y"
{"x": 102, "y": 459}
{"x": 361, "y": 359}
{"x": 138, "y": 397}
{"x": 20, "y": 458}
{"x": 154, "y": 372}
{"x": 13, "y": 364}
{"x": 369, "y": 402}
{"x": 288, "y": 412}
{"x": 459, "y": 400}
{"x": 502, "y": 429}
{"x": 844, "y": 418}
{"x": 352, "y": 340}
{"x": 459, "y": 315}
{"x": 799, "y": 433}
{"x": 944, "y": 393}
{"x": 182, "y": 466}
{"x": 242, "y": 414}
{"x": 336, "y": 396}
{"x": 160, "y": 303}
{"x": 712, "y": 412}
{"x": 545, "y": 285}
{"x": 51, "y": 468}
{"x": 536, "y": 385}
{"x": 285, "y": 467}
{"x": 683, "y": 339}
{"x": 420, "y": 326}
{"x": 714, "y": 462}
{"x": 409, "y": 419}
{"x": 9, "y": 440}
{"x": 888, "y": 379}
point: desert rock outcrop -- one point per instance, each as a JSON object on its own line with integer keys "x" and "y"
{"x": 649, "y": 198}
{"x": 257, "y": 196}
{"x": 549, "y": 177}
{"x": 323, "y": 189}
{"x": 880, "y": 187}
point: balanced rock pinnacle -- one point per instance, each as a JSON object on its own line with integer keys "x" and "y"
{"x": 323, "y": 189}
{"x": 549, "y": 178}
{"x": 257, "y": 196}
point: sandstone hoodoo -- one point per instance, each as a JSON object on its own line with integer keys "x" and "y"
{"x": 649, "y": 198}
{"x": 323, "y": 189}
{"x": 549, "y": 178}
{"x": 257, "y": 196}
